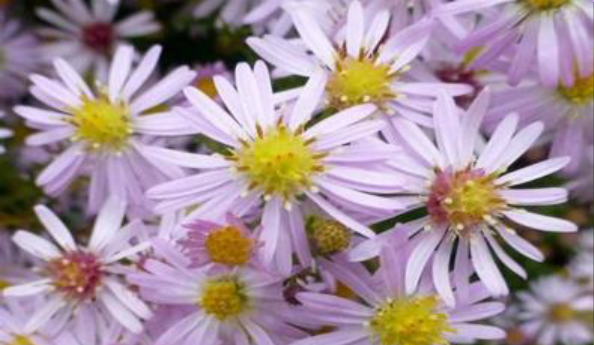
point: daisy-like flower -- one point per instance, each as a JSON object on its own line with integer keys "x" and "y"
{"x": 14, "y": 316}
{"x": 231, "y": 244}
{"x": 237, "y": 307}
{"x": 555, "y": 35}
{"x": 565, "y": 110}
{"x": 4, "y": 133}
{"x": 387, "y": 315}
{"x": 18, "y": 57}
{"x": 361, "y": 65}
{"x": 86, "y": 35}
{"x": 270, "y": 156}
{"x": 82, "y": 284}
{"x": 469, "y": 199}
{"x": 555, "y": 311}
{"x": 108, "y": 129}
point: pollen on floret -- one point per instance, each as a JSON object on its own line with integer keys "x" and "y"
{"x": 4, "y": 284}
{"x": 464, "y": 198}
{"x": 228, "y": 246}
{"x": 543, "y": 5}
{"x": 411, "y": 321}
{"x": 102, "y": 124}
{"x": 77, "y": 274}
{"x": 279, "y": 162}
{"x": 329, "y": 236}
{"x": 224, "y": 298}
{"x": 581, "y": 92}
{"x": 358, "y": 81}
{"x": 561, "y": 313}
{"x": 21, "y": 340}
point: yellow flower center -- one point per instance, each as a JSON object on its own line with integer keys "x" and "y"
{"x": 544, "y": 5}
{"x": 562, "y": 313}
{"x": 358, "y": 81}
{"x": 228, "y": 246}
{"x": 582, "y": 92}
{"x": 4, "y": 284}
{"x": 279, "y": 162}
{"x": 411, "y": 321}
{"x": 464, "y": 198}
{"x": 102, "y": 124}
{"x": 224, "y": 298}
{"x": 207, "y": 85}
{"x": 329, "y": 236}
{"x": 21, "y": 340}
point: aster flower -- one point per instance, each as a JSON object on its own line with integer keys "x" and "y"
{"x": 271, "y": 157}
{"x": 237, "y": 307}
{"x": 555, "y": 311}
{"x": 555, "y": 35}
{"x": 231, "y": 244}
{"x": 108, "y": 129}
{"x": 385, "y": 314}
{"x": 565, "y": 110}
{"x": 470, "y": 201}
{"x": 13, "y": 319}
{"x": 4, "y": 133}
{"x": 18, "y": 57}
{"x": 361, "y": 65}
{"x": 82, "y": 284}
{"x": 85, "y": 34}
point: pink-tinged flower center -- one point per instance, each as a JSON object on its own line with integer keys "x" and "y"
{"x": 463, "y": 198}
{"x": 77, "y": 274}
{"x": 99, "y": 37}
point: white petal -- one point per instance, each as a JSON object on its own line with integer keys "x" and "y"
{"x": 55, "y": 227}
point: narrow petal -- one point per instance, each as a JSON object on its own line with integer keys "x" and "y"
{"x": 540, "y": 222}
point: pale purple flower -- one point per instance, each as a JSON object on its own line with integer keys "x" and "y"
{"x": 554, "y": 35}
{"x": 14, "y": 316}
{"x": 13, "y": 263}
{"x": 386, "y": 314}
{"x": 566, "y": 112}
{"x": 231, "y": 244}
{"x": 361, "y": 64}
{"x": 556, "y": 311}
{"x": 18, "y": 57}
{"x": 109, "y": 129}
{"x": 272, "y": 160}
{"x": 581, "y": 267}
{"x": 86, "y": 35}
{"x": 466, "y": 188}
{"x": 242, "y": 306}
{"x": 4, "y": 133}
{"x": 83, "y": 284}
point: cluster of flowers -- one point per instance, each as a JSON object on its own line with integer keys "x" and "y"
{"x": 410, "y": 116}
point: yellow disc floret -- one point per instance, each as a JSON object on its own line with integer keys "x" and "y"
{"x": 582, "y": 91}
{"x": 544, "y": 5}
{"x": 279, "y": 162}
{"x": 102, "y": 124}
{"x": 21, "y": 340}
{"x": 329, "y": 236}
{"x": 358, "y": 81}
{"x": 228, "y": 246}
{"x": 223, "y": 298}
{"x": 562, "y": 313}
{"x": 411, "y": 321}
